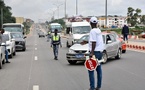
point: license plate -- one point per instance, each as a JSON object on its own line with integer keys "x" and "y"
{"x": 79, "y": 56}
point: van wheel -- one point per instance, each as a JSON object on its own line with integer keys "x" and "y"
{"x": 0, "y": 64}
{"x": 14, "y": 53}
{"x": 123, "y": 51}
{"x": 67, "y": 44}
{"x": 118, "y": 56}
{"x": 11, "y": 55}
{"x": 72, "y": 62}
{"x": 105, "y": 57}
{"x": 3, "y": 62}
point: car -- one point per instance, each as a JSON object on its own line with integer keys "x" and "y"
{"x": 20, "y": 42}
{"x": 41, "y": 34}
{"x": 78, "y": 52}
{"x": 2, "y": 54}
{"x": 121, "y": 40}
{"x": 142, "y": 35}
{"x": 10, "y": 44}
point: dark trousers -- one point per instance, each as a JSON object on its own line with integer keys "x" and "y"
{"x": 55, "y": 50}
{"x": 125, "y": 37}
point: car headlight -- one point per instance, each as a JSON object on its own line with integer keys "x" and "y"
{"x": 71, "y": 51}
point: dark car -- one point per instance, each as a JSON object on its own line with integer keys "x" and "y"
{"x": 20, "y": 42}
{"x": 41, "y": 34}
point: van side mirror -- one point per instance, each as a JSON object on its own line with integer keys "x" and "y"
{"x": 25, "y": 37}
{"x": 3, "y": 44}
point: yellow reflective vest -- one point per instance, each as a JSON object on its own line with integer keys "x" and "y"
{"x": 55, "y": 38}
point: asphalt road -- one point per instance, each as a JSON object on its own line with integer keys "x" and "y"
{"x": 35, "y": 69}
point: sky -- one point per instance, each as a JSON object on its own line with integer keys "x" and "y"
{"x": 43, "y": 9}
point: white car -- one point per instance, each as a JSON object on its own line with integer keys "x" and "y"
{"x": 78, "y": 52}
{"x": 10, "y": 44}
{"x": 2, "y": 54}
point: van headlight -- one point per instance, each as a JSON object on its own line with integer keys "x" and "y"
{"x": 71, "y": 51}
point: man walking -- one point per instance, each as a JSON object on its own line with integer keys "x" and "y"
{"x": 125, "y": 32}
{"x": 4, "y": 41}
{"x": 96, "y": 48}
{"x": 55, "y": 42}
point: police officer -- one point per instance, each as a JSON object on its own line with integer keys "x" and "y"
{"x": 55, "y": 42}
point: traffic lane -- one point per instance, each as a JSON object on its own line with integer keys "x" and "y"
{"x": 53, "y": 73}
{"x": 121, "y": 74}
{"x": 126, "y": 73}
{"x": 15, "y": 76}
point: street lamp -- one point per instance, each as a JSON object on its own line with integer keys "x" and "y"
{"x": 106, "y": 13}
{"x": 2, "y": 15}
{"x": 58, "y": 5}
{"x": 76, "y": 7}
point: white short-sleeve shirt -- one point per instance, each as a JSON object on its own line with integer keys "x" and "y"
{"x": 96, "y": 36}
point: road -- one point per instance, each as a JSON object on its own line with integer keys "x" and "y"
{"x": 35, "y": 69}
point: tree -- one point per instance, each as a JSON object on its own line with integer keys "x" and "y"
{"x": 133, "y": 15}
{"x": 7, "y": 15}
{"x": 143, "y": 19}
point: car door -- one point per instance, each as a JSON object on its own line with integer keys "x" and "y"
{"x": 108, "y": 45}
{"x": 114, "y": 45}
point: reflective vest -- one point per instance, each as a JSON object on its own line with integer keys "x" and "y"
{"x": 55, "y": 38}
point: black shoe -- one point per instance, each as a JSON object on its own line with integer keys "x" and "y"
{"x": 8, "y": 62}
{"x": 97, "y": 89}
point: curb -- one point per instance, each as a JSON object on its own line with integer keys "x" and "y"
{"x": 138, "y": 47}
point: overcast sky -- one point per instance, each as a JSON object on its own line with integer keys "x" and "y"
{"x": 43, "y": 9}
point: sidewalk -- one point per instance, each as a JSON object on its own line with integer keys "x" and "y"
{"x": 136, "y": 45}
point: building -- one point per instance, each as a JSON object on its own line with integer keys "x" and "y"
{"x": 19, "y": 20}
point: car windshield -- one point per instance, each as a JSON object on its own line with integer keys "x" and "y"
{"x": 86, "y": 38}
{"x": 13, "y": 29}
{"x": 16, "y": 35}
{"x": 81, "y": 29}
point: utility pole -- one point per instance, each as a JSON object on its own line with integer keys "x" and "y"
{"x": 106, "y": 14}
{"x": 58, "y": 5}
{"x": 65, "y": 9}
{"x": 1, "y": 17}
{"x": 76, "y": 7}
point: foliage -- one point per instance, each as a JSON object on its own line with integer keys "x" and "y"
{"x": 143, "y": 19}
{"x": 133, "y": 15}
{"x": 7, "y": 15}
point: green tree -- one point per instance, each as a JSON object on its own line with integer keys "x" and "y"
{"x": 143, "y": 19}
{"x": 133, "y": 15}
{"x": 7, "y": 15}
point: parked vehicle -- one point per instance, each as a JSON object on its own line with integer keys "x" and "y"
{"x": 54, "y": 26}
{"x": 2, "y": 54}
{"x": 20, "y": 42}
{"x": 142, "y": 35}
{"x": 10, "y": 44}
{"x": 14, "y": 27}
{"x": 78, "y": 52}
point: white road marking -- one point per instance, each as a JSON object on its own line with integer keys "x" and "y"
{"x": 35, "y": 87}
{"x": 36, "y": 58}
{"x": 35, "y": 48}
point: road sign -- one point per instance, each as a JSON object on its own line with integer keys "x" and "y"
{"x": 91, "y": 64}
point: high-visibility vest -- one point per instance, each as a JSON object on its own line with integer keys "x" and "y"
{"x": 55, "y": 38}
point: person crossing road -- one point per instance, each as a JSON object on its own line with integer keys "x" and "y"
{"x": 55, "y": 42}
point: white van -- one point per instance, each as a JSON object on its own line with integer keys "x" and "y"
{"x": 75, "y": 31}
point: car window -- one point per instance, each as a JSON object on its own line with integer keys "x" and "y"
{"x": 112, "y": 37}
{"x": 16, "y": 35}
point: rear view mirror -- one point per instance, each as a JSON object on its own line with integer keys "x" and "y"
{"x": 3, "y": 44}
{"x": 25, "y": 37}
{"x": 109, "y": 41}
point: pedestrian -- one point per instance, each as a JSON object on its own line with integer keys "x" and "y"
{"x": 125, "y": 33}
{"x": 4, "y": 41}
{"x": 55, "y": 42}
{"x": 96, "y": 47}
{"x": 48, "y": 36}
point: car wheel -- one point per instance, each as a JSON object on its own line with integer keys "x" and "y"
{"x": 67, "y": 44}
{"x": 14, "y": 53}
{"x": 118, "y": 54}
{"x": 11, "y": 55}
{"x": 72, "y": 62}
{"x": 0, "y": 64}
{"x": 123, "y": 51}
{"x": 105, "y": 57}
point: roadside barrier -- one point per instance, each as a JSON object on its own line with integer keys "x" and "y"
{"x": 138, "y": 47}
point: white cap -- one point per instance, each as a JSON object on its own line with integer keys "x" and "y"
{"x": 93, "y": 20}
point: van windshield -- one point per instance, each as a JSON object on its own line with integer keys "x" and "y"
{"x": 81, "y": 29}
{"x": 13, "y": 29}
{"x": 58, "y": 27}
